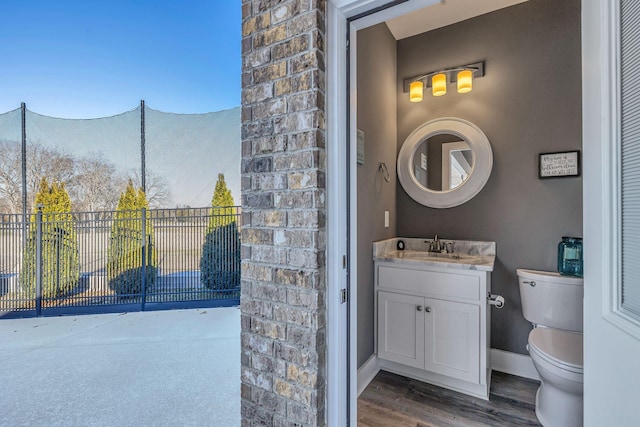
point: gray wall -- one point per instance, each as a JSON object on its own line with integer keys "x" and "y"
{"x": 377, "y": 118}
{"x": 528, "y": 103}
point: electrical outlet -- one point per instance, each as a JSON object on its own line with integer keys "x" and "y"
{"x": 386, "y": 219}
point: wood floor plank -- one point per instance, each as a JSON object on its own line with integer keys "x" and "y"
{"x": 392, "y": 400}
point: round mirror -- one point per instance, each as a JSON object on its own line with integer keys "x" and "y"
{"x": 445, "y": 162}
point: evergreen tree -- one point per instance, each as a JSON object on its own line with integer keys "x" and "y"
{"x": 59, "y": 259}
{"x": 220, "y": 261}
{"x": 124, "y": 255}
{"x": 223, "y": 211}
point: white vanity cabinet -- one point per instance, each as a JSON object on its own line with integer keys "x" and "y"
{"x": 433, "y": 324}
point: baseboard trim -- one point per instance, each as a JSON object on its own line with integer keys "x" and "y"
{"x": 513, "y": 363}
{"x": 502, "y": 361}
{"x": 367, "y": 372}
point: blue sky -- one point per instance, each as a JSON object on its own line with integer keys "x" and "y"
{"x": 95, "y": 58}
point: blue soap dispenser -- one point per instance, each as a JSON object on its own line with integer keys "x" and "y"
{"x": 570, "y": 256}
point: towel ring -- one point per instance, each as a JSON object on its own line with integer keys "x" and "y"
{"x": 382, "y": 168}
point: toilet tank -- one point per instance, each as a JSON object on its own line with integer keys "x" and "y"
{"x": 549, "y": 299}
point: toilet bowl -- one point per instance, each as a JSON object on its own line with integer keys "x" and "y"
{"x": 557, "y": 356}
{"x": 553, "y": 303}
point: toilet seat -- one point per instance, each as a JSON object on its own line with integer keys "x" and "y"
{"x": 560, "y": 348}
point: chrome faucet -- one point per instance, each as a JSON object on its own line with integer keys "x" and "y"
{"x": 436, "y": 245}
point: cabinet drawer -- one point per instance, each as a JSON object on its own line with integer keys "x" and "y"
{"x": 430, "y": 283}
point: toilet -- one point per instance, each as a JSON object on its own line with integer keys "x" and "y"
{"x": 553, "y": 304}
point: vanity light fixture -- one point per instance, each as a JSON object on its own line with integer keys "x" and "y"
{"x": 437, "y": 80}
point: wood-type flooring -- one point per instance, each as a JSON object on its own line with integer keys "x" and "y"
{"x": 394, "y": 401}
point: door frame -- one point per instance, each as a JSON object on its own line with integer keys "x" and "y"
{"x": 611, "y": 342}
{"x": 344, "y": 19}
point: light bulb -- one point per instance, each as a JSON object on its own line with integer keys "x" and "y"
{"x": 465, "y": 81}
{"x": 439, "y": 84}
{"x": 415, "y": 91}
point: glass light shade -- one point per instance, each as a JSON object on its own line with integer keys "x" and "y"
{"x": 439, "y": 84}
{"x": 465, "y": 81}
{"x": 415, "y": 91}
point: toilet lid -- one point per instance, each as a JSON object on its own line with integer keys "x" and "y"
{"x": 561, "y": 348}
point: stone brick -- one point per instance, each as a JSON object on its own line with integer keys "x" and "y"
{"x": 306, "y": 219}
{"x": 257, "y": 200}
{"x": 256, "y": 308}
{"x": 290, "y": 47}
{"x": 267, "y": 182}
{"x": 296, "y": 160}
{"x": 305, "y": 101}
{"x": 286, "y": 11}
{"x": 270, "y": 36}
{"x": 294, "y": 315}
{"x": 295, "y": 238}
{"x": 302, "y": 23}
{"x": 256, "y": 236}
{"x": 256, "y": 378}
{"x": 256, "y": 271}
{"x": 293, "y": 354}
{"x": 257, "y": 93}
{"x": 270, "y": 292}
{"x": 295, "y": 199}
{"x": 270, "y": 218}
{"x": 269, "y": 254}
{"x": 270, "y": 72}
{"x": 306, "y": 298}
{"x": 302, "y": 336}
{"x": 257, "y": 129}
{"x": 305, "y": 258}
{"x": 305, "y": 179}
{"x": 257, "y": 164}
{"x": 255, "y": 58}
{"x": 273, "y": 144}
{"x": 302, "y": 140}
{"x": 257, "y": 343}
{"x": 270, "y": 329}
{"x": 303, "y": 376}
{"x": 268, "y": 109}
{"x": 269, "y": 401}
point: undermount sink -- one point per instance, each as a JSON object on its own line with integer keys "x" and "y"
{"x": 444, "y": 256}
{"x": 467, "y": 255}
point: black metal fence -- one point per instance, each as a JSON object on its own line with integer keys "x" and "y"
{"x": 88, "y": 262}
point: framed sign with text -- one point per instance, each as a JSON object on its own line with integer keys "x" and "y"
{"x": 559, "y": 165}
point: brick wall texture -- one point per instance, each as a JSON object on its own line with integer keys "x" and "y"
{"x": 283, "y": 201}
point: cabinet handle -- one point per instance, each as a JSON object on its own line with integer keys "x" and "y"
{"x": 427, "y": 309}
{"x": 419, "y": 308}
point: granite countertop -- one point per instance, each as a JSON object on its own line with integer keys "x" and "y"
{"x": 467, "y": 255}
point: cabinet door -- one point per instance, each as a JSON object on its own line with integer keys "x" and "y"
{"x": 401, "y": 329}
{"x": 452, "y": 345}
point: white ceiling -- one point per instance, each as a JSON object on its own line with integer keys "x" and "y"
{"x": 445, "y": 13}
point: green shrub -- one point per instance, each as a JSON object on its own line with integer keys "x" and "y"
{"x": 220, "y": 261}
{"x": 60, "y": 265}
{"x": 124, "y": 255}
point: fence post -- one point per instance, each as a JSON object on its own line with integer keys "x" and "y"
{"x": 143, "y": 149}
{"x": 39, "y": 260}
{"x": 23, "y": 169}
{"x": 144, "y": 257}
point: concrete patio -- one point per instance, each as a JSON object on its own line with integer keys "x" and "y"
{"x": 161, "y": 368}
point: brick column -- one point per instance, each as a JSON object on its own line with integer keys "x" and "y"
{"x": 283, "y": 224}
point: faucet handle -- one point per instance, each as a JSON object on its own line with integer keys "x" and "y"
{"x": 450, "y": 247}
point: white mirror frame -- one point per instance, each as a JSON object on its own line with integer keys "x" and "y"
{"x": 480, "y": 171}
